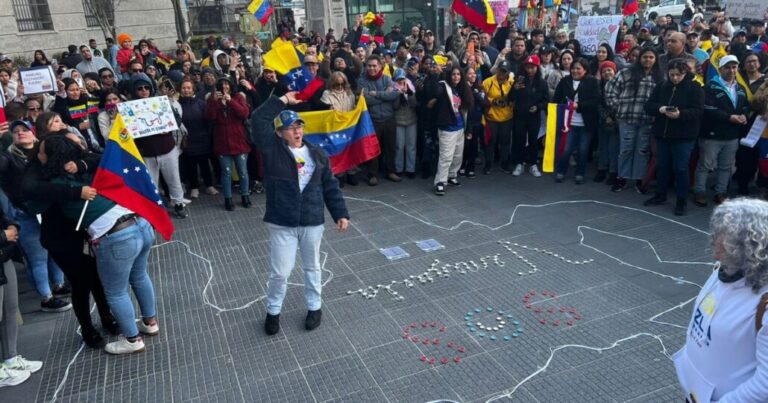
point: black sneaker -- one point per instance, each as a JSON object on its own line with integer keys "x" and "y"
{"x": 600, "y": 176}
{"x": 486, "y": 171}
{"x": 272, "y": 324}
{"x": 656, "y": 200}
{"x": 179, "y": 211}
{"x": 440, "y": 189}
{"x": 258, "y": 187}
{"x": 681, "y": 206}
{"x": 93, "y": 339}
{"x": 618, "y": 185}
{"x": 313, "y": 319}
{"x": 55, "y": 305}
{"x": 639, "y": 188}
{"x": 62, "y": 290}
{"x": 352, "y": 179}
{"x": 453, "y": 182}
{"x": 470, "y": 174}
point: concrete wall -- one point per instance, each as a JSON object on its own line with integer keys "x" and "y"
{"x": 139, "y": 18}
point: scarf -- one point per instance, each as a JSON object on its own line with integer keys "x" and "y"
{"x": 376, "y": 76}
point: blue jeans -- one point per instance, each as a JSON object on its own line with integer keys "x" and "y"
{"x": 121, "y": 259}
{"x": 405, "y": 143}
{"x": 719, "y": 156}
{"x": 608, "y": 149}
{"x": 241, "y": 163}
{"x": 42, "y": 268}
{"x": 634, "y": 149}
{"x": 672, "y": 157}
{"x": 578, "y": 141}
{"x": 284, "y": 241}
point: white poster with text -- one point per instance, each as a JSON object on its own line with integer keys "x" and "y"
{"x": 594, "y": 30}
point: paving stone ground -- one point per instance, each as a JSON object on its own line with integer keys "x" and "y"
{"x": 210, "y": 284}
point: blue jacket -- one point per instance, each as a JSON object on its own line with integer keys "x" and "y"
{"x": 382, "y": 106}
{"x": 287, "y": 205}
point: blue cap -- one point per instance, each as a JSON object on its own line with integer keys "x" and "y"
{"x": 399, "y": 74}
{"x": 19, "y": 123}
{"x": 287, "y": 118}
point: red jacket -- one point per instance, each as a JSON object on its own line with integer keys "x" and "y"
{"x": 229, "y": 137}
{"x": 124, "y": 56}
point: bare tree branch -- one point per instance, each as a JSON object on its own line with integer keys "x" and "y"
{"x": 104, "y": 13}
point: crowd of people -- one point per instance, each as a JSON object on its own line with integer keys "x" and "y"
{"x": 641, "y": 111}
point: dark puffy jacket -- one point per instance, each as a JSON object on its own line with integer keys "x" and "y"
{"x": 718, "y": 109}
{"x": 589, "y": 98}
{"x": 8, "y": 250}
{"x": 199, "y": 136}
{"x": 535, "y": 93}
{"x": 688, "y": 97}
{"x": 228, "y": 127}
{"x": 287, "y": 205}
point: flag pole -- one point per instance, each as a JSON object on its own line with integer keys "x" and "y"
{"x": 82, "y": 214}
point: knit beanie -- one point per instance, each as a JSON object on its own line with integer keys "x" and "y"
{"x": 608, "y": 64}
{"x": 123, "y": 37}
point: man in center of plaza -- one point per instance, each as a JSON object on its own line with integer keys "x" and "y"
{"x": 299, "y": 182}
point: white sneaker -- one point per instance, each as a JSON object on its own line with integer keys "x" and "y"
{"x": 20, "y": 363}
{"x": 194, "y": 194}
{"x": 123, "y": 346}
{"x": 10, "y": 377}
{"x": 149, "y": 330}
{"x": 518, "y": 170}
{"x": 534, "y": 170}
{"x": 186, "y": 201}
{"x": 211, "y": 191}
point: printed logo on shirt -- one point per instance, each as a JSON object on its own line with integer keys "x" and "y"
{"x": 700, "y": 330}
{"x": 300, "y": 163}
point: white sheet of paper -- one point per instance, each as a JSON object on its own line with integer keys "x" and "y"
{"x": 38, "y": 80}
{"x": 754, "y": 133}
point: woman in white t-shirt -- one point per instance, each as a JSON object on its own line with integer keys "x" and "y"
{"x": 726, "y": 349}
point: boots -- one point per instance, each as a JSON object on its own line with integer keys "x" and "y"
{"x": 601, "y": 174}
{"x": 246, "y": 201}
{"x": 681, "y": 207}
{"x": 229, "y": 205}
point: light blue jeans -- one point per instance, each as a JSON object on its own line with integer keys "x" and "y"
{"x": 634, "y": 149}
{"x": 405, "y": 144}
{"x": 42, "y": 270}
{"x": 718, "y": 156}
{"x": 284, "y": 242}
{"x": 121, "y": 259}
{"x": 241, "y": 163}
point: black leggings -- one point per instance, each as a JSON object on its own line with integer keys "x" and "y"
{"x": 81, "y": 272}
{"x": 191, "y": 163}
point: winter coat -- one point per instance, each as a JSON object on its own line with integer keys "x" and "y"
{"x": 718, "y": 108}
{"x": 229, "y": 137}
{"x": 688, "y": 97}
{"x": 589, "y": 98}
{"x": 287, "y": 205}
{"x": 199, "y": 131}
{"x": 535, "y": 93}
{"x": 382, "y": 106}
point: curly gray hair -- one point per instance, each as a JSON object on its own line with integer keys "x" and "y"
{"x": 739, "y": 229}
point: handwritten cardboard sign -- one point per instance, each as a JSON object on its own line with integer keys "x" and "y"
{"x": 148, "y": 116}
{"x": 594, "y": 30}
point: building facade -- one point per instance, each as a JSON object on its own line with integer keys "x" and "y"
{"x": 52, "y": 25}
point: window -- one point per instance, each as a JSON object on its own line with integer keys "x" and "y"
{"x": 32, "y": 15}
{"x": 90, "y": 16}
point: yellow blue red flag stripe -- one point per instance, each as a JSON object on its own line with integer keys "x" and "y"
{"x": 123, "y": 178}
{"x": 261, "y": 9}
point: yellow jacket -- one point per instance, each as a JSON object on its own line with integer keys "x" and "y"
{"x": 501, "y": 108}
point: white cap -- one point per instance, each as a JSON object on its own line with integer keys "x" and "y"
{"x": 727, "y": 59}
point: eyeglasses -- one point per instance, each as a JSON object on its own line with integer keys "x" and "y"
{"x": 143, "y": 88}
{"x": 293, "y": 128}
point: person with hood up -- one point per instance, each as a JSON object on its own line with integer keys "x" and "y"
{"x": 227, "y": 110}
{"x": 160, "y": 151}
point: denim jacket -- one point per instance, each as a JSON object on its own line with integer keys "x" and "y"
{"x": 287, "y": 205}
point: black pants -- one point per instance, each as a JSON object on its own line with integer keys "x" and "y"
{"x": 385, "y": 131}
{"x": 471, "y": 145}
{"x": 191, "y": 164}
{"x": 746, "y": 167}
{"x": 80, "y": 270}
{"x": 525, "y": 145}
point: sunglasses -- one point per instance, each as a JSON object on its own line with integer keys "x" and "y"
{"x": 107, "y": 76}
{"x": 34, "y": 109}
{"x": 137, "y": 70}
{"x": 143, "y": 88}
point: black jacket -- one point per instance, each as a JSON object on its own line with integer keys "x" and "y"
{"x": 199, "y": 132}
{"x": 535, "y": 93}
{"x": 287, "y": 205}
{"x": 589, "y": 98}
{"x": 688, "y": 97}
{"x": 426, "y": 92}
{"x": 718, "y": 109}
{"x": 8, "y": 250}
{"x": 444, "y": 113}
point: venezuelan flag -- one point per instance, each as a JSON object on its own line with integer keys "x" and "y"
{"x": 288, "y": 60}
{"x": 261, "y": 9}
{"x": 477, "y": 12}
{"x": 348, "y": 138}
{"x": 123, "y": 178}
{"x": 630, "y": 7}
{"x": 558, "y": 120}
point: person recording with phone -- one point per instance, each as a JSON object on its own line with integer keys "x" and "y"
{"x": 676, "y": 105}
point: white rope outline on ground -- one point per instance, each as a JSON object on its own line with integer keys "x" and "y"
{"x": 209, "y": 264}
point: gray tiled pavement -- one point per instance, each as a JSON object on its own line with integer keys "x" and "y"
{"x": 212, "y": 347}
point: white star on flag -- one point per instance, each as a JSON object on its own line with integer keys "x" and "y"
{"x": 137, "y": 169}
{"x": 125, "y": 170}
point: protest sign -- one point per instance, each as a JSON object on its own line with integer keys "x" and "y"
{"x": 38, "y": 80}
{"x": 148, "y": 116}
{"x": 747, "y": 9}
{"x": 594, "y": 30}
{"x": 500, "y": 9}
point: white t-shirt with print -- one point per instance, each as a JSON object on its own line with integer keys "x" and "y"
{"x": 304, "y": 165}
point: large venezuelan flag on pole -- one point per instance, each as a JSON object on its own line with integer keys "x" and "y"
{"x": 477, "y": 12}
{"x": 123, "y": 178}
{"x": 348, "y": 138}
{"x": 261, "y": 9}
